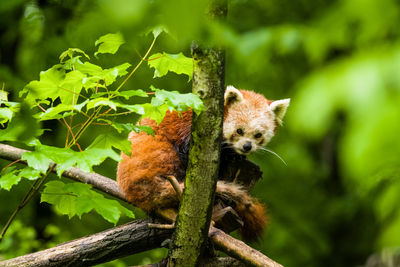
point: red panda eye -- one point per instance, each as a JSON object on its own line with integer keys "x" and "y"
{"x": 257, "y": 135}
{"x": 239, "y": 131}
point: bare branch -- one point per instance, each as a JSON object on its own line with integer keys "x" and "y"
{"x": 239, "y": 250}
{"x": 177, "y": 187}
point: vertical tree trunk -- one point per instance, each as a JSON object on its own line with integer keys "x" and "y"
{"x": 194, "y": 216}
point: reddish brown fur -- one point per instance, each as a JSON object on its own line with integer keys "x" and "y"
{"x": 248, "y": 208}
{"x": 254, "y": 220}
{"x": 174, "y": 127}
{"x": 142, "y": 176}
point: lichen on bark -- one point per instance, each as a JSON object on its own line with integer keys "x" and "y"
{"x": 193, "y": 222}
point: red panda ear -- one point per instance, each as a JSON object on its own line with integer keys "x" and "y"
{"x": 279, "y": 108}
{"x": 232, "y": 95}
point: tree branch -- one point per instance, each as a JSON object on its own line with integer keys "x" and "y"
{"x": 239, "y": 250}
{"x": 196, "y": 207}
{"x": 98, "y": 181}
{"x": 121, "y": 241}
{"x": 209, "y": 262}
{"x": 137, "y": 243}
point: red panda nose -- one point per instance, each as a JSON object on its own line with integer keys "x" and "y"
{"x": 247, "y": 147}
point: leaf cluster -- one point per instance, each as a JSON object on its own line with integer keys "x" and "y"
{"x": 79, "y": 94}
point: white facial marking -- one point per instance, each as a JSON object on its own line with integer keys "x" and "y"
{"x": 248, "y": 136}
{"x": 249, "y": 126}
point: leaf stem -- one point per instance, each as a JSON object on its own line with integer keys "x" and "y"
{"x": 34, "y": 189}
{"x": 73, "y": 92}
{"x": 69, "y": 130}
{"x": 116, "y": 114}
{"x": 138, "y": 65}
{"x": 84, "y": 127}
{"x": 39, "y": 182}
{"x": 9, "y": 165}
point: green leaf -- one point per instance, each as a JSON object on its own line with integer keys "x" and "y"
{"x": 70, "y": 53}
{"x": 142, "y": 128}
{"x": 120, "y": 70}
{"x": 107, "y": 75}
{"x": 176, "y": 100}
{"x": 94, "y": 156}
{"x": 13, "y": 176}
{"x": 66, "y": 158}
{"x": 29, "y": 173}
{"x": 72, "y": 86}
{"x": 5, "y": 115}
{"x": 85, "y": 160}
{"x": 110, "y": 75}
{"x": 178, "y": 63}
{"x": 108, "y": 140}
{"x": 102, "y": 101}
{"x": 109, "y": 43}
{"x": 9, "y": 178}
{"x": 70, "y": 64}
{"x": 47, "y": 87}
{"x": 76, "y": 199}
{"x": 156, "y": 113}
{"x": 22, "y": 127}
{"x": 126, "y": 128}
{"x": 130, "y": 93}
{"x": 14, "y": 105}
{"x": 64, "y": 196}
{"x": 90, "y": 69}
{"x": 170, "y": 100}
{"x": 125, "y": 94}
{"x": 54, "y": 112}
{"x": 37, "y": 160}
{"x": 157, "y": 30}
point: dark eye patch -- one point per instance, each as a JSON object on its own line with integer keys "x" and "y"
{"x": 257, "y": 135}
{"x": 240, "y": 131}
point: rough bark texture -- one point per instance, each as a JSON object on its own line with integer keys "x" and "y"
{"x": 102, "y": 247}
{"x": 189, "y": 239}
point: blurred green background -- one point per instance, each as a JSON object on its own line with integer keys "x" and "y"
{"x": 337, "y": 200}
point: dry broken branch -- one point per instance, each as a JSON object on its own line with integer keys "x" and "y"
{"x": 108, "y": 247}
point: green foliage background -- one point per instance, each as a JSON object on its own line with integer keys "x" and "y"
{"x": 337, "y": 200}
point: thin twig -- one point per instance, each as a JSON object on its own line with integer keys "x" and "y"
{"x": 117, "y": 114}
{"x": 84, "y": 126}
{"x": 137, "y": 66}
{"x": 161, "y": 226}
{"x": 35, "y": 188}
{"x": 9, "y": 165}
{"x": 104, "y": 113}
{"x": 69, "y": 130}
{"x": 177, "y": 187}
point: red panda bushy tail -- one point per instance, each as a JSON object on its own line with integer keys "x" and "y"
{"x": 249, "y": 209}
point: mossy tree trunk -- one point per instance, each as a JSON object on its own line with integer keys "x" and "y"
{"x": 193, "y": 222}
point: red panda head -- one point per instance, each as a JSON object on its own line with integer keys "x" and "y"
{"x": 250, "y": 120}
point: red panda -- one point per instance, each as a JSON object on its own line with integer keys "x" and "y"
{"x": 250, "y": 121}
